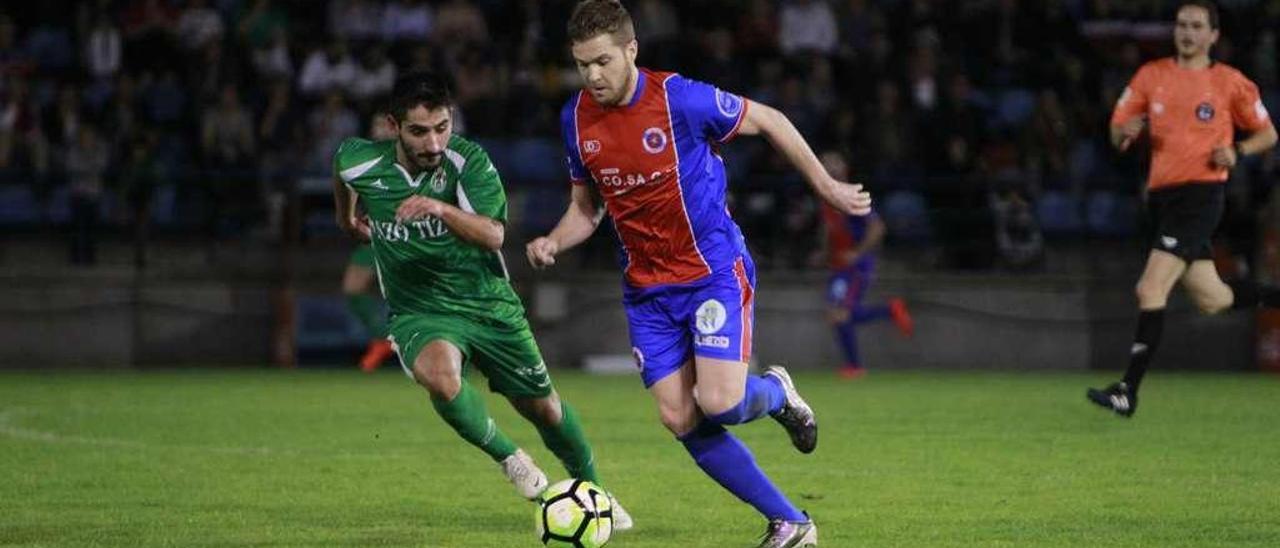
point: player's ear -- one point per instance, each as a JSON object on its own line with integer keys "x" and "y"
{"x": 632, "y": 48}
{"x": 395, "y": 124}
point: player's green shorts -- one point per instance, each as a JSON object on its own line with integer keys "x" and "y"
{"x": 504, "y": 351}
{"x": 362, "y": 256}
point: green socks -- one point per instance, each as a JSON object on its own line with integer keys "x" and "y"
{"x": 467, "y": 415}
{"x": 568, "y": 443}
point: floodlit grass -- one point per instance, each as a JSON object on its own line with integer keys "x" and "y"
{"x": 325, "y": 458}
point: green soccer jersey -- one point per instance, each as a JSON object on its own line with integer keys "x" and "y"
{"x": 423, "y": 268}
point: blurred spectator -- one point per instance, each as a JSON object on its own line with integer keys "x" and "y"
{"x": 13, "y": 61}
{"x": 476, "y": 91}
{"x": 720, "y": 64}
{"x": 138, "y": 178}
{"x": 330, "y": 123}
{"x": 271, "y": 61}
{"x": 199, "y": 25}
{"x": 279, "y": 134}
{"x": 355, "y": 20}
{"x": 227, "y": 150}
{"x": 102, "y": 51}
{"x": 460, "y": 23}
{"x": 149, "y": 42}
{"x": 757, "y": 29}
{"x": 86, "y": 163}
{"x": 855, "y": 21}
{"x": 658, "y": 29}
{"x": 807, "y": 26}
{"x": 1047, "y": 139}
{"x": 374, "y": 76}
{"x": 890, "y": 136}
{"x": 165, "y": 100}
{"x": 260, "y": 22}
{"x": 121, "y": 113}
{"x": 63, "y": 119}
{"x": 327, "y": 70}
{"x": 22, "y": 141}
{"x": 407, "y": 20}
{"x": 227, "y": 132}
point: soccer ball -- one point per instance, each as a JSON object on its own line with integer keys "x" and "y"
{"x": 575, "y": 513}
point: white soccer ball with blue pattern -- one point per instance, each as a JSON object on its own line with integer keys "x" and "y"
{"x": 575, "y": 513}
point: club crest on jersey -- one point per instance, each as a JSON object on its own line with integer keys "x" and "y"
{"x": 1204, "y": 112}
{"x": 591, "y": 146}
{"x": 654, "y": 141}
{"x": 728, "y": 104}
{"x": 710, "y": 317}
{"x": 437, "y": 181}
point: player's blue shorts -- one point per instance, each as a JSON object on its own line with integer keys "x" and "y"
{"x": 711, "y": 317}
{"x": 846, "y": 287}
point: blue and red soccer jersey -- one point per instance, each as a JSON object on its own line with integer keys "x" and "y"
{"x": 848, "y": 282}
{"x": 689, "y": 281}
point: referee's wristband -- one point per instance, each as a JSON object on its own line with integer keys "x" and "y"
{"x": 1240, "y": 153}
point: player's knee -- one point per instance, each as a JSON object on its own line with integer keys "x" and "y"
{"x": 545, "y": 411}
{"x": 716, "y": 402}
{"x": 1150, "y": 294}
{"x": 441, "y": 382}
{"x": 678, "y": 420}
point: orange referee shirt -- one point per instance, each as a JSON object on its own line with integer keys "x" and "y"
{"x": 1189, "y": 113}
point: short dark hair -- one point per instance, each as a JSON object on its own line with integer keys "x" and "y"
{"x": 591, "y": 18}
{"x": 1207, "y": 5}
{"x": 423, "y": 88}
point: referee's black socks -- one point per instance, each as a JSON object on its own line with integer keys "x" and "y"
{"x": 1145, "y": 341}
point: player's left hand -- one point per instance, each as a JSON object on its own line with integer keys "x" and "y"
{"x": 1225, "y": 157}
{"x": 416, "y": 208}
{"x": 848, "y": 198}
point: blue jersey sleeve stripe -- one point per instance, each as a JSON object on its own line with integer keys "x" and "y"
{"x": 742, "y": 117}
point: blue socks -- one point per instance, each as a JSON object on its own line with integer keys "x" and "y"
{"x": 731, "y": 464}
{"x": 848, "y": 338}
{"x": 763, "y": 395}
{"x": 848, "y": 343}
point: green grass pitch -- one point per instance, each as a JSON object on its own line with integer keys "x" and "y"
{"x": 336, "y": 458}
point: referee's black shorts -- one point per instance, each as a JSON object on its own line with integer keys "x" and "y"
{"x": 1184, "y": 217}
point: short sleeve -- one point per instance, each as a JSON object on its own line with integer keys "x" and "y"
{"x": 1247, "y": 111}
{"x": 569, "y": 134}
{"x": 350, "y": 161}
{"x": 480, "y": 187}
{"x": 710, "y": 111}
{"x": 1133, "y": 102}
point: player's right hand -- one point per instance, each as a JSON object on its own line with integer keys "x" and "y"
{"x": 1130, "y": 131}
{"x": 542, "y": 252}
{"x": 848, "y": 198}
{"x": 357, "y": 227}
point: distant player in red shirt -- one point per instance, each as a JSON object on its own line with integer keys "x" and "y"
{"x": 643, "y": 146}
{"x": 1191, "y": 105}
{"x": 851, "y": 243}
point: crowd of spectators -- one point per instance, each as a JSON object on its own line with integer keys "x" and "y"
{"x": 980, "y": 124}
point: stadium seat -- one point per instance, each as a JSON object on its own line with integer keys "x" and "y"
{"x": 164, "y": 206}
{"x": 60, "y": 205}
{"x": 325, "y": 324}
{"x": 18, "y": 206}
{"x": 1059, "y": 213}
{"x": 536, "y": 161}
{"x": 906, "y": 216}
{"x": 1014, "y": 106}
{"x": 1107, "y": 213}
{"x": 543, "y": 207}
